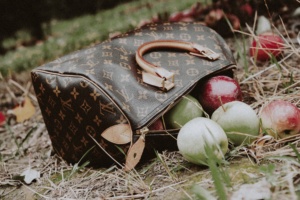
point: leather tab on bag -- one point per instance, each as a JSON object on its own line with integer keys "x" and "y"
{"x": 157, "y": 81}
{"x": 135, "y": 153}
{"x": 118, "y": 134}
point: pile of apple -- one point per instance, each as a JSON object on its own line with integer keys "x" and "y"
{"x": 214, "y": 114}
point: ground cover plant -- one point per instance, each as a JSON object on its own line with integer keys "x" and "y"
{"x": 267, "y": 168}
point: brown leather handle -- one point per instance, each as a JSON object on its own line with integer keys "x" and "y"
{"x": 160, "y": 77}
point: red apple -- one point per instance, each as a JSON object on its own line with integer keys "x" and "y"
{"x": 157, "y": 125}
{"x": 267, "y": 44}
{"x": 187, "y": 19}
{"x": 247, "y": 9}
{"x": 185, "y": 16}
{"x": 234, "y": 21}
{"x": 213, "y": 17}
{"x": 2, "y": 119}
{"x": 189, "y": 13}
{"x": 280, "y": 119}
{"x": 176, "y": 17}
{"x": 218, "y": 90}
{"x": 193, "y": 11}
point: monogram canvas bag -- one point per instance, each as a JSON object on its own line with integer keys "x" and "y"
{"x": 98, "y": 103}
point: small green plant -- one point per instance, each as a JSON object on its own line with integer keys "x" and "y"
{"x": 172, "y": 175}
{"x": 18, "y": 143}
{"x": 242, "y": 48}
{"x": 269, "y": 172}
{"x": 219, "y": 174}
{"x": 295, "y": 151}
{"x": 77, "y": 166}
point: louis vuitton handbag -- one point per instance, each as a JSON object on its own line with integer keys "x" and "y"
{"x": 98, "y": 103}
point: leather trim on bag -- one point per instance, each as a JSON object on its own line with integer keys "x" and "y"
{"x": 135, "y": 153}
{"x": 118, "y": 134}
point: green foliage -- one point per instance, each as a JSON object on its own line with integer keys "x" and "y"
{"x": 78, "y": 166}
{"x": 269, "y": 172}
{"x": 78, "y": 33}
{"x": 219, "y": 175}
{"x": 293, "y": 146}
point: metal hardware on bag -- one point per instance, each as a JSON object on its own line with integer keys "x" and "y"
{"x": 155, "y": 80}
{"x": 167, "y": 85}
{"x": 204, "y": 52}
{"x": 166, "y": 76}
{"x": 142, "y": 131}
{"x": 158, "y": 76}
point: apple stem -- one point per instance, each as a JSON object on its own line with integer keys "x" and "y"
{"x": 221, "y": 103}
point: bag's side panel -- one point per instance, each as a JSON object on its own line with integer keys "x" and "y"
{"x": 75, "y": 111}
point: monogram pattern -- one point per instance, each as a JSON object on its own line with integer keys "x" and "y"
{"x": 84, "y": 93}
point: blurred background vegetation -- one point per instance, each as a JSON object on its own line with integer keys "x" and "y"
{"x": 35, "y": 16}
{"x": 34, "y": 32}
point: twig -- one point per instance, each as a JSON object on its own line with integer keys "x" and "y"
{"x": 24, "y": 90}
{"x": 105, "y": 151}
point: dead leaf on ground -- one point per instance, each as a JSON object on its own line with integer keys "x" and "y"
{"x": 30, "y": 175}
{"x": 24, "y": 111}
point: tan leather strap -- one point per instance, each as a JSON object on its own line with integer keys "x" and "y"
{"x": 160, "y": 77}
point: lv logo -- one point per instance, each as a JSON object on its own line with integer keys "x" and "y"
{"x": 66, "y": 104}
{"x": 107, "y": 108}
{"x": 154, "y": 35}
{"x": 125, "y": 94}
{"x": 123, "y": 50}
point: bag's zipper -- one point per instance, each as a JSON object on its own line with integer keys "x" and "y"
{"x": 143, "y": 131}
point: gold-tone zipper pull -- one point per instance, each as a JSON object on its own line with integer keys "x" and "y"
{"x": 205, "y": 52}
{"x": 142, "y": 131}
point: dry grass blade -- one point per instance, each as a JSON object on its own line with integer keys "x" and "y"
{"x": 267, "y": 146}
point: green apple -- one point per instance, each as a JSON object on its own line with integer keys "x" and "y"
{"x": 238, "y": 120}
{"x": 198, "y": 134}
{"x": 186, "y": 109}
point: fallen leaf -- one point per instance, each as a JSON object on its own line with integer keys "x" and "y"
{"x": 296, "y": 13}
{"x": 30, "y": 175}
{"x": 263, "y": 25}
{"x": 2, "y": 119}
{"x": 24, "y": 111}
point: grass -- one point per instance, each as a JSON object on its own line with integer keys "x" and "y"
{"x": 70, "y": 35}
{"x": 267, "y": 167}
